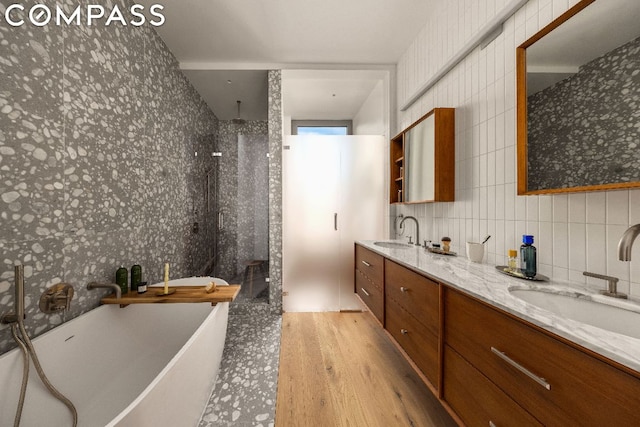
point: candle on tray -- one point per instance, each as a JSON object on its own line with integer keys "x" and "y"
{"x": 166, "y": 277}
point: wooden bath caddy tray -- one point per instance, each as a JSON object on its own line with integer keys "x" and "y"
{"x": 182, "y": 294}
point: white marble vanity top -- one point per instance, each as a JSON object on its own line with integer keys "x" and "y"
{"x": 484, "y": 282}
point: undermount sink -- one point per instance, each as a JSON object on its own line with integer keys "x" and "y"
{"x": 393, "y": 245}
{"x": 614, "y": 317}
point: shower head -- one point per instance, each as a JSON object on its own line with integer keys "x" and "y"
{"x": 238, "y": 120}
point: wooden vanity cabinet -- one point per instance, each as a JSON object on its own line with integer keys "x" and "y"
{"x": 489, "y": 367}
{"x": 369, "y": 280}
{"x": 553, "y": 381}
{"x": 412, "y": 316}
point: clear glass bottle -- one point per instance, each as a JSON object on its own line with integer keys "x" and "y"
{"x": 528, "y": 262}
{"x": 512, "y": 262}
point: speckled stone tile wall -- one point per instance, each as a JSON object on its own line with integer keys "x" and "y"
{"x": 603, "y": 148}
{"x": 98, "y": 134}
{"x": 275, "y": 190}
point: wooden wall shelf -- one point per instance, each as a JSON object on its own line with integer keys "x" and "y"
{"x": 182, "y": 294}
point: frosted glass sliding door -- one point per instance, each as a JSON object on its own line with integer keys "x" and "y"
{"x": 332, "y": 195}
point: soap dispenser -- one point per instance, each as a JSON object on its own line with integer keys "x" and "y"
{"x": 528, "y": 257}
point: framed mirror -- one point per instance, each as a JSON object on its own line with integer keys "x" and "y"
{"x": 578, "y": 101}
{"x": 423, "y": 160}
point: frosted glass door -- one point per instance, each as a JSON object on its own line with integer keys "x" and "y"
{"x": 333, "y": 194}
{"x": 362, "y": 206}
{"x": 311, "y": 171}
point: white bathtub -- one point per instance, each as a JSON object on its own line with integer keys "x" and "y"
{"x": 143, "y": 365}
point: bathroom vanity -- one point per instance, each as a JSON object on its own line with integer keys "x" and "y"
{"x": 490, "y": 357}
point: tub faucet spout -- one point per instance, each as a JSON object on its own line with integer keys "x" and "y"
{"x": 116, "y": 288}
{"x": 626, "y": 242}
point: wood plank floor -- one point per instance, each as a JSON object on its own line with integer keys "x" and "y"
{"x": 340, "y": 369}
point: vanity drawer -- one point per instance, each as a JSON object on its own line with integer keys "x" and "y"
{"x": 415, "y": 293}
{"x": 566, "y": 386}
{"x": 371, "y": 264}
{"x": 420, "y": 344}
{"x": 475, "y": 399}
{"x": 371, "y": 295}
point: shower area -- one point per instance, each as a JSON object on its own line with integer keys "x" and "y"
{"x": 237, "y": 199}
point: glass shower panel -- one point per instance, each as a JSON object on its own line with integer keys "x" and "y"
{"x": 253, "y": 214}
{"x": 311, "y": 170}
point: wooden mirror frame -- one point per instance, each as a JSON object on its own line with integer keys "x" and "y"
{"x": 521, "y": 114}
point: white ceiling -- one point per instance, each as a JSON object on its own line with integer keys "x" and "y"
{"x": 207, "y": 35}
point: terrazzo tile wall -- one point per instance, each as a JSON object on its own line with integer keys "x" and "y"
{"x": 587, "y": 115}
{"x": 275, "y": 190}
{"x": 98, "y": 134}
{"x": 573, "y": 232}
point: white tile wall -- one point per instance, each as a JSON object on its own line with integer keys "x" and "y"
{"x": 573, "y": 232}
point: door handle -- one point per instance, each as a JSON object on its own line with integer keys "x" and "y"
{"x": 335, "y": 221}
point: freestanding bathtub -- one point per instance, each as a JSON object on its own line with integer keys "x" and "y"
{"x": 143, "y": 365}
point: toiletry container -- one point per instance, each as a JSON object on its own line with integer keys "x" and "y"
{"x": 512, "y": 262}
{"x": 142, "y": 287}
{"x": 136, "y": 277}
{"x": 528, "y": 256}
{"x": 121, "y": 279}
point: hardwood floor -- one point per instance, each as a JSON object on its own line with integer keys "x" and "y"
{"x": 340, "y": 369}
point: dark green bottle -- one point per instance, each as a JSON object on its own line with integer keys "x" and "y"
{"x": 136, "y": 277}
{"x": 121, "y": 279}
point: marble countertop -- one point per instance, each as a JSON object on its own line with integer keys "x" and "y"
{"x": 484, "y": 282}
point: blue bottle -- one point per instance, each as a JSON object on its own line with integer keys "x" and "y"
{"x": 528, "y": 260}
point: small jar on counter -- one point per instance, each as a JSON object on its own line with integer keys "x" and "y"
{"x": 512, "y": 262}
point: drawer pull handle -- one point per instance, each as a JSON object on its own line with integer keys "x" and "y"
{"x": 366, "y": 263}
{"x": 403, "y": 289}
{"x": 521, "y": 368}
{"x": 365, "y": 292}
{"x": 404, "y": 331}
{"x": 492, "y": 424}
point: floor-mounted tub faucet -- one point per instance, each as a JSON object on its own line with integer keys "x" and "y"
{"x": 417, "y": 228}
{"x": 626, "y": 242}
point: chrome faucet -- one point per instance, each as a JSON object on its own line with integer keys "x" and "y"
{"x": 116, "y": 288}
{"x": 612, "y": 285}
{"x": 417, "y": 228}
{"x": 626, "y": 242}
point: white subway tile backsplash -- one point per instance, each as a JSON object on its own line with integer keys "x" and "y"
{"x": 545, "y": 208}
{"x": 596, "y": 248}
{"x": 617, "y": 205}
{"x": 574, "y": 231}
{"x": 596, "y": 207}
{"x": 634, "y": 206}
{"x": 544, "y": 243}
{"x": 577, "y": 247}
{"x": 560, "y": 208}
{"x": 578, "y": 207}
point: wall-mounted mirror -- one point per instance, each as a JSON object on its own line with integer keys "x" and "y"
{"x": 578, "y": 93}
